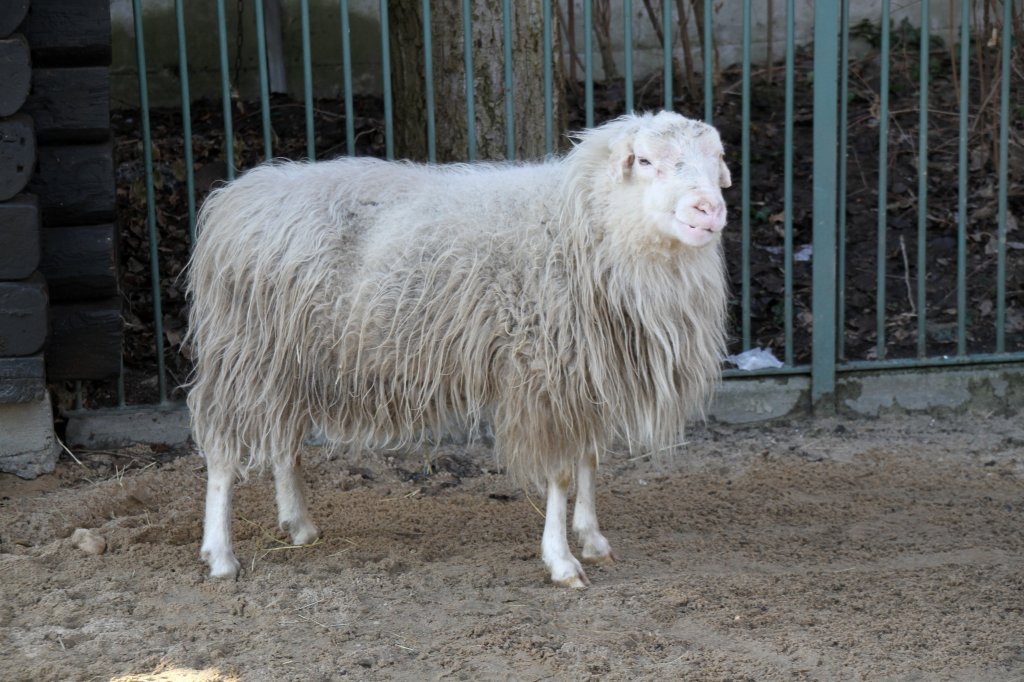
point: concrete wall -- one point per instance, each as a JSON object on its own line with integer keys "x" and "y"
{"x": 203, "y": 51}
{"x": 728, "y": 28}
{"x": 160, "y": 29}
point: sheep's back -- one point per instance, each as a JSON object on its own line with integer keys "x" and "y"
{"x": 375, "y": 298}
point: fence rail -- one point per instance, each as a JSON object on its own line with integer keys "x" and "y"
{"x": 923, "y": 316}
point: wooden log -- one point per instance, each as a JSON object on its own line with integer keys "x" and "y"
{"x": 70, "y": 105}
{"x": 85, "y": 340}
{"x": 80, "y": 263}
{"x": 69, "y": 32}
{"x": 15, "y": 73}
{"x": 22, "y": 380}
{"x": 17, "y": 154}
{"x": 22, "y": 316}
{"x": 20, "y": 241}
{"x": 75, "y": 184}
{"x": 12, "y": 13}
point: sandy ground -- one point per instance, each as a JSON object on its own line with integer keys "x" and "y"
{"x": 824, "y": 550}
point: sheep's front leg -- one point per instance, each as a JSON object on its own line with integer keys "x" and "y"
{"x": 565, "y": 569}
{"x": 596, "y": 549}
{"x": 292, "y": 510}
{"x": 216, "y": 549}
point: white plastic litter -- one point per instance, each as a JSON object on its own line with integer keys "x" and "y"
{"x": 804, "y": 253}
{"x": 755, "y": 358}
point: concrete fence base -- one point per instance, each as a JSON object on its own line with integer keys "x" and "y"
{"x": 995, "y": 389}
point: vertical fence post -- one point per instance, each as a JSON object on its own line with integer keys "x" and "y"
{"x": 709, "y": 62}
{"x": 261, "y": 56}
{"x": 745, "y": 183}
{"x": 823, "y": 305}
{"x": 307, "y": 81}
{"x": 467, "y": 55}
{"x": 346, "y": 77}
{"x": 787, "y": 180}
{"x": 549, "y": 103}
{"x": 147, "y": 159}
{"x": 186, "y": 118}
{"x": 844, "y": 147}
{"x": 225, "y": 90}
{"x": 627, "y": 50}
{"x": 922, "y": 186}
{"x": 666, "y": 49}
{"x": 428, "y": 82}
{"x": 883, "y": 186}
{"x": 1004, "y": 169}
{"x": 510, "y": 114}
{"x": 385, "y": 55}
{"x": 961, "y": 231}
{"x": 588, "y": 60}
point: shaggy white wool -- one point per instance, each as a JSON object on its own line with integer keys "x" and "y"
{"x": 575, "y": 304}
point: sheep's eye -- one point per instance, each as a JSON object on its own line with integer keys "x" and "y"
{"x": 642, "y": 161}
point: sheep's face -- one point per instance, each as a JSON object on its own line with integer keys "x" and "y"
{"x": 678, "y": 167}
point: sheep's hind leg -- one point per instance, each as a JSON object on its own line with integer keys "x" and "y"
{"x": 596, "y": 549}
{"x": 565, "y": 569}
{"x": 292, "y": 509}
{"x": 216, "y": 549}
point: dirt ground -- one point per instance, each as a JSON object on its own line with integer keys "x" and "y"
{"x": 817, "y": 550}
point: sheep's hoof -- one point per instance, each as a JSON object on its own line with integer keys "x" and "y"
{"x": 222, "y": 567}
{"x": 576, "y": 582}
{"x": 596, "y": 549}
{"x": 301, "y": 532}
{"x": 599, "y": 559}
{"x": 569, "y": 574}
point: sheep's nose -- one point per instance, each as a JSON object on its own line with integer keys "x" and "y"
{"x": 708, "y": 207}
{"x": 712, "y": 211}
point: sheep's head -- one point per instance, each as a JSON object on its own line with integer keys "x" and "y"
{"x": 674, "y": 168}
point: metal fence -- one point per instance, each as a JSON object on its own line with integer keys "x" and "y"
{"x": 955, "y": 296}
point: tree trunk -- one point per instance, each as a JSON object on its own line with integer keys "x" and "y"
{"x": 408, "y": 69}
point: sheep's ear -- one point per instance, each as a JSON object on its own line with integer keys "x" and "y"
{"x": 724, "y": 177}
{"x": 621, "y": 157}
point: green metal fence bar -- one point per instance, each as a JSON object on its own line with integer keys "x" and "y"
{"x": 147, "y": 160}
{"x": 428, "y": 83}
{"x": 346, "y": 80}
{"x": 1004, "y": 171}
{"x": 961, "y": 233}
{"x": 467, "y": 54}
{"x": 823, "y": 279}
{"x": 745, "y": 184}
{"x": 307, "y": 80}
{"x": 225, "y": 91}
{"x": 788, "y": 179}
{"x": 666, "y": 25}
{"x": 934, "y": 361}
{"x": 510, "y": 123}
{"x": 261, "y": 58}
{"x": 549, "y": 103}
{"x": 844, "y": 115}
{"x": 627, "y": 51}
{"x": 588, "y": 60}
{"x": 709, "y": 62}
{"x": 186, "y": 119}
{"x": 883, "y": 182}
{"x": 922, "y": 187}
{"x": 385, "y": 58}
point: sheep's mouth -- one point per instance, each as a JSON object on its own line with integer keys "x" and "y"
{"x": 692, "y": 234}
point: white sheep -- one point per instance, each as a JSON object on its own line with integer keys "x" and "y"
{"x": 574, "y": 304}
